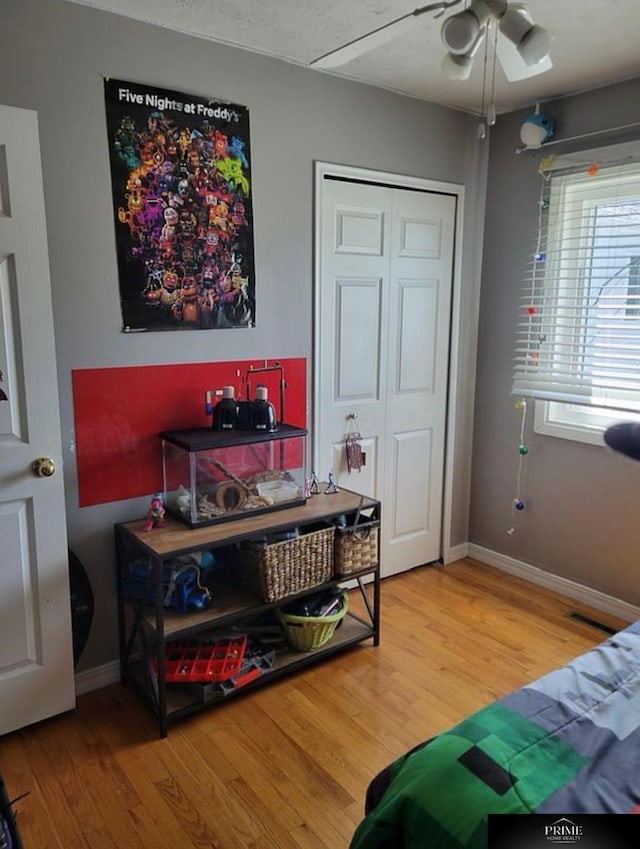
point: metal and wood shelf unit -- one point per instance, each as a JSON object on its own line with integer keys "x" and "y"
{"x": 147, "y": 628}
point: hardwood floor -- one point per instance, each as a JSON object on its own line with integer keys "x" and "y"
{"x": 287, "y": 765}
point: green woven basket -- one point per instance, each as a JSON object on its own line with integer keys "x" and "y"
{"x": 306, "y": 633}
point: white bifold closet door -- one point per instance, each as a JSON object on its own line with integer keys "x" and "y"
{"x": 384, "y": 318}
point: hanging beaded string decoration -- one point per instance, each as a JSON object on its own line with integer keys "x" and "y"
{"x": 518, "y": 505}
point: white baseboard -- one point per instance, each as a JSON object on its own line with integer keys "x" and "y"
{"x": 100, "y": 676}
{"x": 571, "y": 589}
{"x": 456, "y": 552}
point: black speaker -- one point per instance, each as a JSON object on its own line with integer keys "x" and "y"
{"x": 81, "y": 606}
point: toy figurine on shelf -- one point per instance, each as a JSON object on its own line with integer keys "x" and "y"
{"x": 313, "y": 484}
{"x": 155, "y": 514}
{"x": 331, "y": 485}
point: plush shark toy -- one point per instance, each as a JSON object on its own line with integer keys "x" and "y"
{"x": 536, "y": 129}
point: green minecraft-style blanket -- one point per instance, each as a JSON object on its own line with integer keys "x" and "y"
{"x": 567, "y": 743}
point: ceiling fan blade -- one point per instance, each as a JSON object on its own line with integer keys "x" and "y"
{"x": 514, "y": 66}
{"x": 377, "y": 37}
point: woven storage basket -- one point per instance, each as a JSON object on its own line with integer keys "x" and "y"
{"x": 356, "y": 547}
{"x": 288, "y": 567}
{"x": 306, "y": 633}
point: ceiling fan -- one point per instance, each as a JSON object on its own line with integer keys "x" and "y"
{"x": 522, "y": 47}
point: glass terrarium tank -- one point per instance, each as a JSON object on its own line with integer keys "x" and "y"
{"x": 214, "y": 476}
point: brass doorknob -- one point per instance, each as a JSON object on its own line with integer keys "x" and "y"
{"x": 43, "y": 467}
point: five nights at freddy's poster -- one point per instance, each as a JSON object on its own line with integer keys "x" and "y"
{"x": 181, "y": 180}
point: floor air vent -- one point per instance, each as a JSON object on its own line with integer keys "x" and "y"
{"x": 593, "y": 622}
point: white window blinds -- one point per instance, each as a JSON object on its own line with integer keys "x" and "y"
{"x": 578, "y": 335}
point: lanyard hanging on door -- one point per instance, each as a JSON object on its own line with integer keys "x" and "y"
{"x": 353, "y": 444}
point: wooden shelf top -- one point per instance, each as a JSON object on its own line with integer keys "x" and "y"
{"x": 175, "y": 536}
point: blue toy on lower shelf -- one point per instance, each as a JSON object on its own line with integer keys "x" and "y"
{"x": 181, "y": 587}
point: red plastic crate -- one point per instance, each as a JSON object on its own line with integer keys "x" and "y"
{"x": 216, "y": 661}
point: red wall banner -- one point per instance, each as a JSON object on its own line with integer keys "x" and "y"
{"x": 120, "y": 411}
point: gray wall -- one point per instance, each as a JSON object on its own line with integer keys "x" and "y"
{"x": 581, "y": 518}
{"x": 53, "y": 56}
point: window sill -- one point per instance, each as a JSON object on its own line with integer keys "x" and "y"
{"x": 578, "y": 424}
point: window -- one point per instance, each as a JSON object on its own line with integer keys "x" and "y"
{"x": 578, "y": 346}
{"x": 575, "y": 421}
{"x": 633, "y": 288}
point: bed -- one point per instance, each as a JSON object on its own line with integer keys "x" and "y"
{"x": 566, "y": 743}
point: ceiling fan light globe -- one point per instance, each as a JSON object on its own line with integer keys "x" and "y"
{"x": 535, "y": 46}
{"x": 459, "y": 32}
{"x": 515, "y": 24}
{"x": 457, "y": 67}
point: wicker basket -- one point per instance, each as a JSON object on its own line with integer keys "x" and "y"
{"x": 306, "y": 633}
{"x": 288, "y": 567}
{"x": 356, "y": 547}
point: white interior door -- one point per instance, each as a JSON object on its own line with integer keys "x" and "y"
{"x": 36, "y": 652}
{"x": 383, "y": 325}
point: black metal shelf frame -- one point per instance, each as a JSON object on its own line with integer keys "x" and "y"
{"x": 146, "y": 629}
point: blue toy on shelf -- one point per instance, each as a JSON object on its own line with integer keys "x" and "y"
{"x": 181, "y": 587}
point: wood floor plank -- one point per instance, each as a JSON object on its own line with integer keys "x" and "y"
{"x": 287, "y": 765}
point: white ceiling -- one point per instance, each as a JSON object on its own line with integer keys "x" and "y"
{"x": 597, "y": 42}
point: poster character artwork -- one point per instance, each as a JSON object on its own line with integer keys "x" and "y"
{"x": 181, "y": 181}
